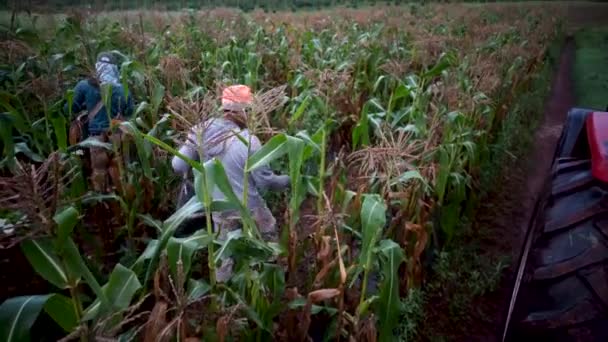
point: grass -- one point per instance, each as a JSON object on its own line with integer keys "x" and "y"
{"x": 591, "y": 68}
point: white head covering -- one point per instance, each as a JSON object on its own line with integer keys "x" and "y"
{"x": 107, "y": 72}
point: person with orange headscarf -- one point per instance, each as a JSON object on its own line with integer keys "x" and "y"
{"x": 217, "y": 138}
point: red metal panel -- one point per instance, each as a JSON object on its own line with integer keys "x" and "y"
{"x": 597, "y": 135}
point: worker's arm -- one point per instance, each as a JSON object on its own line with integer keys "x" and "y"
{"x": 178, "y": 164}
{"x": 263, "y": 176}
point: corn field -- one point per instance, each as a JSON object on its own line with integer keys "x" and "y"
{"x": 382, "y": 117}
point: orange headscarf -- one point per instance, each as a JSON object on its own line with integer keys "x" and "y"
{"x": 236, "y": 97}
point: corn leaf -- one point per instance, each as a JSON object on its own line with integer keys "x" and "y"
{"x": 391, "y": 256}
{"x": 42, "y": 257}
{"x": 66, "y": 220}
{"x": 197, "y": 289}
{"x": 61, "y": 309}
{"x": 273, "y": 149}
{"x": 76, "y": 265}
{"x": 18, "y": 314}
{"x": 121, "y": 287}
{"x": 180, "y": 251}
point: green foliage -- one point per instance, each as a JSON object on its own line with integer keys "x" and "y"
{"x": 18, "y": 314}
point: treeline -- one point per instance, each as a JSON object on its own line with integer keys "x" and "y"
{"x": 245, "y": 5}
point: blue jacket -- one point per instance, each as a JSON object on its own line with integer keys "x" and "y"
{"x": 86, "y": 97}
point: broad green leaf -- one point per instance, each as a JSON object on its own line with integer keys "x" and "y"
{"x": 143, "y": 150}
{"x": 273, "y": 149}
{"x": 391, "y": 256}
{"x": 217, "y": 175}
{"x": 299, "y": 111}
{"x": 76, "y": 265}
{"x": 193, "y": 164}
{"x": 242, "y": 247}
{"x": 146, "y": 255}
{"x": 180, "y": 251}
{"x": 315, "y": 309}
{"x": 445, "y": 61}
{"x": 66, "y": 220}
{"x": 168, "y": 229}
{"x": 121, "y": 287}
{"x": 61, "y": 309}
{"x": 360, "y": 134}
{"x": 407, "y": 176}
{"x": 157, "y": 96}
{"x": 373, "y": 219}
{"x": 43, "y": 259}
{"x": 362, "y": 308}
{"x": 59, "y": 127}
{"x": 400, "y": 92}
{"x": 200, "y": 239}
{"x": 443, "y": 174}
{"x": 197, "y": 289}
{"x": 18, "y": 314}
{"x": 152, "y": 222}
{"x": 274, "y": 278}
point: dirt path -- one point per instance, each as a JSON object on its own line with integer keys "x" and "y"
{"x": 511, "y": 207}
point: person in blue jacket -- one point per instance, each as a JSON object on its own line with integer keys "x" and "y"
{"x": 88, "y": 98}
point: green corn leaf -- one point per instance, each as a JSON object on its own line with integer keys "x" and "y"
{"x": 446, "y": 61}
{"x": 168, "y": 229}
{"x": 157, "y": 96}
{"x": 373, "y": 219}
{"x": 61, "y": 309}
{"x": 197, "y": 289}
{"x": 200, "y": 239}
{"x": 180, "y": 251}
{"x": 242, "y": 247}
{"x": 217, "y": 175}
{"x": 42, "y": 257}
{"x": 274, "y": 278}
{"x": 362, "y": 308}
{"x": 121, "y": 287}
{"x": 388, "y": 302}
{"x": 360, "y": 134}
{"x": 59, "y": 127}
{"x": 18, "y": 314}
{"x": 407, "y": 176}
{"x": 273, "y": 149}
{"x": 66, "y": 220}
{"x": 299, "y": 111}
{"x": 195, "y": 165}
{"x": 146, "y": 255}
{"x": 144, "y": 151}
{"x": 443, "y": 174}
{"x": 76, "y": 265}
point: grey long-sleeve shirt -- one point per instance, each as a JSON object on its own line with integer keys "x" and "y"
{"x": 219, "y": 141}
